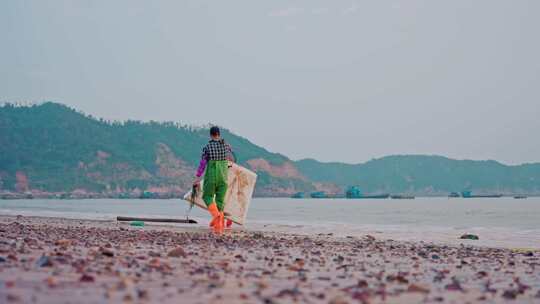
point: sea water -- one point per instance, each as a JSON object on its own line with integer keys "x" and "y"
{"x": 499, "y": 222}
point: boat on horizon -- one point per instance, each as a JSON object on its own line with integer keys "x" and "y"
{"x": 298, "y": 195}
{"x": 400, "y": 196}
{"x": 318, "y": 194}
{"x": 376, "y": 196}
{"x": 353, "y": 192}
{"x": 468, "y": 194}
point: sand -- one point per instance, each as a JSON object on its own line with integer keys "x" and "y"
{"x": 56, "y": 260}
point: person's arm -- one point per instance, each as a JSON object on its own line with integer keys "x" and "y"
{"x": 202, "y": 166}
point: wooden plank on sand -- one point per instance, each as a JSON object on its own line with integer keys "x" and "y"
{"x": 157, "y": 220}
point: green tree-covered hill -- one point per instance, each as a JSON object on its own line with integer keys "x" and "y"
{"x": 59, "y": 149}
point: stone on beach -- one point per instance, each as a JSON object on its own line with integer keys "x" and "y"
{"x": 417, "y": 288}
{"x": 51, "y": 282}
{"x": 177, "y": 252}
{"x": 106, "y": 252}
{"x": 44, "y": 261}
{"x": 87, "y": 278}
{"x": 63, "y": 242}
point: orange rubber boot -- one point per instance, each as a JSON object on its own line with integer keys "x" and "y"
{"x": 215, "y": 214}
{"x": 219, "y": 223}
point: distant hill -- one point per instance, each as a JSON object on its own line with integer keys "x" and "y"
{"x": 426, "y": 175}
{"x": 53, "y": 148}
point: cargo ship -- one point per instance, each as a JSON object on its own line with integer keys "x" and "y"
{"x": 400, "y": 196}
{"x": 377, "y": 196}
{"x": 299, "y": 195}
{"x": 318, "y": 194}
{"x": 468, "y": 194}
{"x": 354, "y": 192}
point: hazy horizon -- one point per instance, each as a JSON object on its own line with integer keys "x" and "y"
{"x": 340, "y": 81}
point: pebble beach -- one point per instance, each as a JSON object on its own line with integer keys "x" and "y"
{"x": 58, "y": 260}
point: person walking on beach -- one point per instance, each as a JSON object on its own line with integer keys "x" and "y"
{"x": 214, "y": 163}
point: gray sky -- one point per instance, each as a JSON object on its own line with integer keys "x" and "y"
{"x": 333, "y": 80}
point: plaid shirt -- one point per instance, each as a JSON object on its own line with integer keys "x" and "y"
{"x": 217, "y": 150}
{"x": 214, "y": 150}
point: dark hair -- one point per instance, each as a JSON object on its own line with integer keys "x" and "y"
{"x": 214, "y": 131}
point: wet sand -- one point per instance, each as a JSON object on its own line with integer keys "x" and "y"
{"x": 55, "y": 260}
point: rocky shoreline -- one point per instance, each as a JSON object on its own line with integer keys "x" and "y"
{"x": 56, "y": 260}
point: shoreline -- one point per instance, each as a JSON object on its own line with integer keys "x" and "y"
{"x": 490, "y": 237}
{"x": 57, "y": 260}
{"x": 97, "y": 196}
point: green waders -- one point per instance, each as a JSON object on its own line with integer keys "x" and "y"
{"x": 215, "y": 183}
